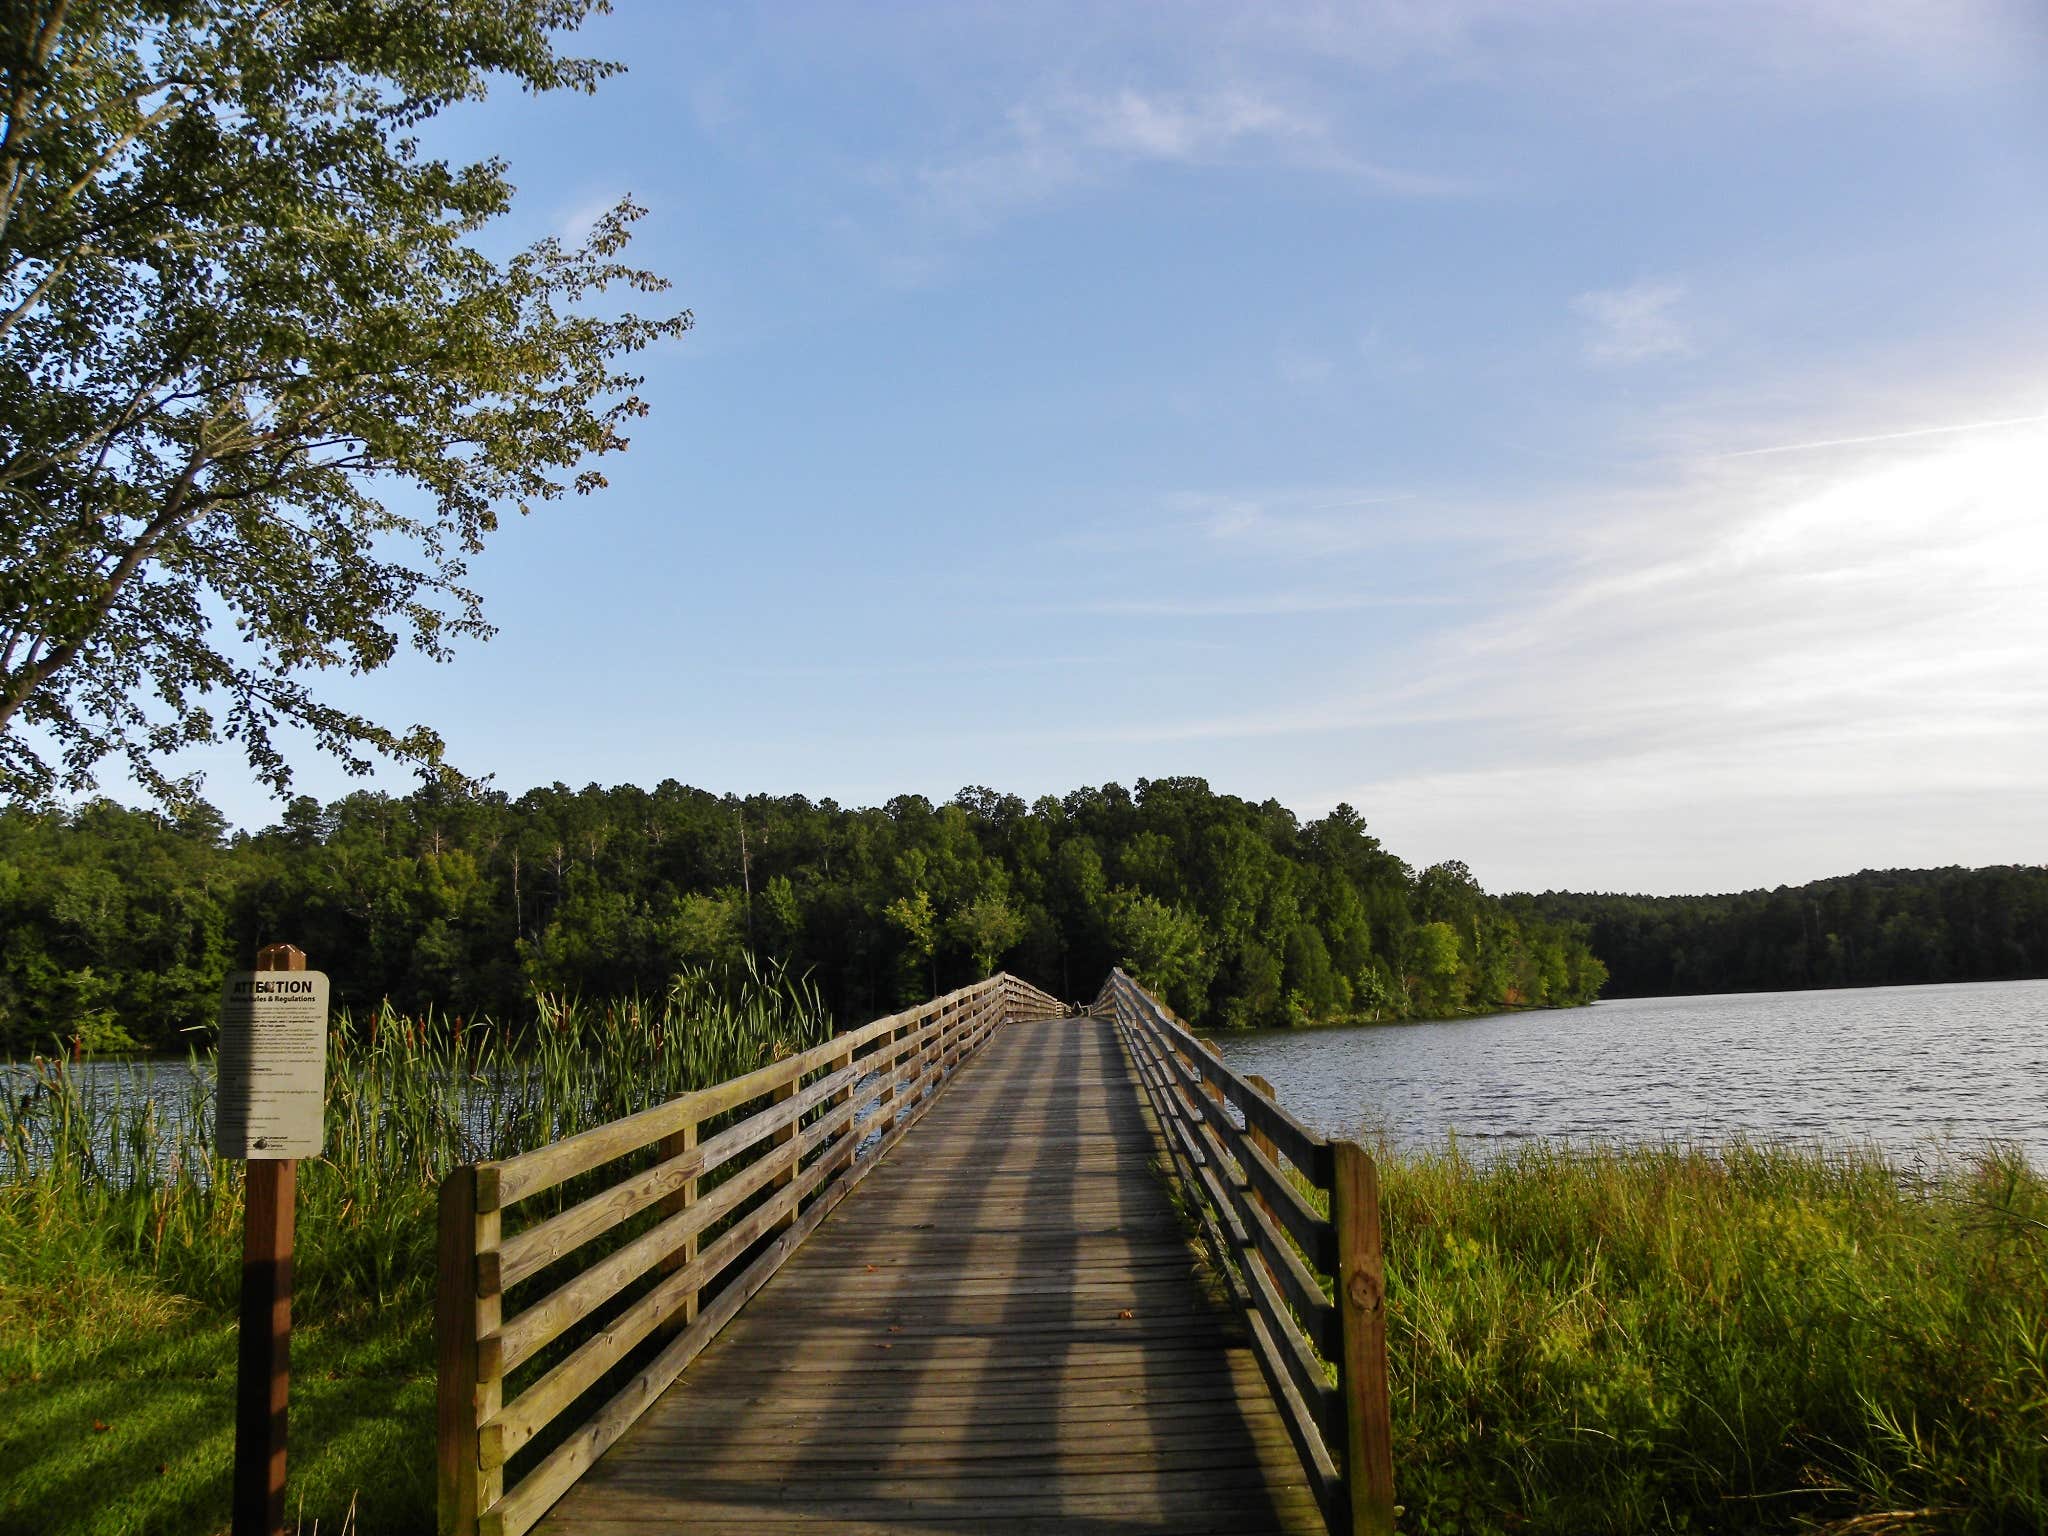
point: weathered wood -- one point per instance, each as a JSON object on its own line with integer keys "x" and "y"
{"x": 518, "y": 1511}
{"x": 1309, "y": 1227}
{"x": 515, "y": 1178}
{"x": 680, "y": 1144}
{"x": 1001, "y": 1332}
{"x": 1258, "y": 1209}
{"x": 980, "y": 1264}
{"x": 515, "y": 1426}
{"x": 1300, "y": 1146}
{"x": 541, "y": 1403}
{"x": 455, "y": 1415}
{"x": 524, "y": 1335}
{"x": 1362, "y": 1371}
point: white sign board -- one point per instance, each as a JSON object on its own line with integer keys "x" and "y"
{"x": 273, "y": 1065}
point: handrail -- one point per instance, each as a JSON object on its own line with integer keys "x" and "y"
{"x": 1248, "y": 1175}
{"x": 824, "y": 1117}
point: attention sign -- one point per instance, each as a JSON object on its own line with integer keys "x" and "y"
{"x": 273, "y": 1065}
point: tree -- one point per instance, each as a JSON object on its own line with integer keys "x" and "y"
{"x": 1439, "y": 960}
{"x": 1163, "y": 947}
{"x": 912, "y": 915}
{"x": 261, "y": 391}
{"x": 988, "y": 927}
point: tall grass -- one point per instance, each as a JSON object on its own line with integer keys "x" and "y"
{"x": 407, "y": 1099}
{"x": 1747, "y": 1339}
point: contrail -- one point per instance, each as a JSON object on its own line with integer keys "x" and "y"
{"x": 1884, "y": 437}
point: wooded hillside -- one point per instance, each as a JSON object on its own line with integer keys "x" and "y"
{"x": 118, "y": 924}
{"x": 1882, "y": 927}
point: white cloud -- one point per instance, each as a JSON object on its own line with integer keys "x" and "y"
{"x": 1635, "y": 324}
{"x": 1056, "y": 142}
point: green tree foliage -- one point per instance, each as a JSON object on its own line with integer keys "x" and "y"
{"x": 1877, "y": 928}
{"x": 1164, "y": 947}
{"x": 125, "y": 920}
{"x": 262, "y": 392}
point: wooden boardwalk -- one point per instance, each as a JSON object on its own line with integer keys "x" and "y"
{"x": 1002, "y": 1330}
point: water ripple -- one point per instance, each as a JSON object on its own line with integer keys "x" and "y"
{"x": 1916, "y": 1071}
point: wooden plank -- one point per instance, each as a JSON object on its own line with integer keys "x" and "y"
{"x": 1309, "y": 1227}
{"x": 568, "y": 1380}
{"x": 516, "y": 1512}
{"x": 1263, "y": 1244}
{"x": 533, "y": 1249}
{"x": 948, "y": 1350}
{"x": 580, "y": 1295}
{"x": 571, "y": 1377}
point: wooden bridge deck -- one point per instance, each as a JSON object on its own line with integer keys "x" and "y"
{"x": 1001, "y": 1330}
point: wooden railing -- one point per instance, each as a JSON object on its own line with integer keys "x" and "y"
{"x": 1254, "y": 1172}
{"x": 660, "y": 1227}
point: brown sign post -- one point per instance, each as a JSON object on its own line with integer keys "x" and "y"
{"x": 269, "y": 1029}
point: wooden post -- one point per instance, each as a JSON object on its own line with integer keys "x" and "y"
{"x": 455, "y": 1417}
{"x": 675, "y": 1145}
{"x": 1362, "y": 1319}
{"x": 1259, "y": 1138}
{"x": 470, "y": 1383}
{"x": 776, "y": 1142}
{"x": 263, "y": 1375}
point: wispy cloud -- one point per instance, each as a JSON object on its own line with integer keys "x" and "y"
{"x": 1636, "y": 324}
{"x": 1885, "y": 437}
{"x": 1065, "y": 139}
{"x": 1253, "y": 605}
{"x": 1302, "y": 523}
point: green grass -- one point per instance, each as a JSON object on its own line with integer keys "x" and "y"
{"x": 117, "y": 1397}
{"x": 1667, "y": 1340}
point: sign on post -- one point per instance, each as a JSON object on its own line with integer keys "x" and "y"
{"x": 268, "y": 1108}
{"x": 273, "y": 1065}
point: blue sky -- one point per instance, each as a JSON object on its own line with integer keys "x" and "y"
{"x": 1607, "y": 443}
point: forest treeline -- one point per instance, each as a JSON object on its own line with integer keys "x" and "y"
{"x": 1882, "y": 927}
{"x": 117, "y": 925}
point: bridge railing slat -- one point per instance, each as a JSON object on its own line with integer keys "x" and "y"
{"x": 830, "y": 1114}
{"x": 1250, "y": 1178}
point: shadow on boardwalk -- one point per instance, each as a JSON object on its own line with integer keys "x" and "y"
{"x": 1000, "y": 1331}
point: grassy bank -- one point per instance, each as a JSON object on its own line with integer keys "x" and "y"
{"x": 1760, "y": 1340}
{"x": 1620, "y": 1341}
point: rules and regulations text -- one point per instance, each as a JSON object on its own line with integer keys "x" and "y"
{"x": 273, "y": 1064}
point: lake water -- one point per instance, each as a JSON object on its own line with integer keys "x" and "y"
{"x": 1923, "y": 1073}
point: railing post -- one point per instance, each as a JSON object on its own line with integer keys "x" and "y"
{"x": 1259, "y": 1138}
{"x": 776, "y": 1143}
{"x": 675, "y": 1145}
{"x": 1362, "y": 1318}
{"x": 457, "y": 1474}
{"x": 841, "y": 1063}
